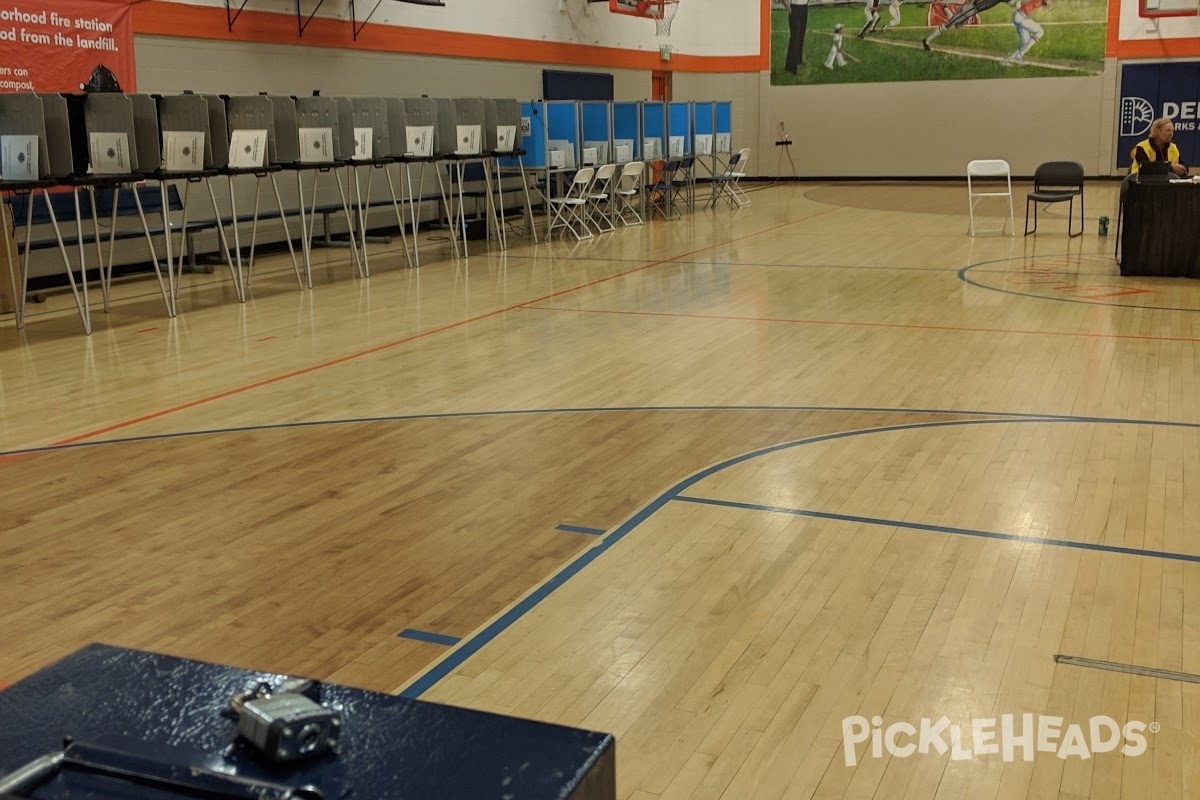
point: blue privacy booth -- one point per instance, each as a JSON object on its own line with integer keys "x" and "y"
{"x": 679, "y": 130}
{"x": 596, "y": 119}
{"x": 654, "y": 130}
{"x": 627, "y": 132}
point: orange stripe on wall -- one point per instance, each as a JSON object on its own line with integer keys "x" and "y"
{"x": 158, "y": 18}
{"x": 1113, "y": 29}
{"x": 1155, "y": 48}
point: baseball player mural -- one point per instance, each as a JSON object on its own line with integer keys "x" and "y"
{"x": 871, "y": 11}
{"x": 893, "y": 14}
{"x": 835, "y": 52}
{"x": 960, "y": 17}
{"x": 1028, "y": 30}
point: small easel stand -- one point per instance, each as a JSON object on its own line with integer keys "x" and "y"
{"x": 784, "y": 143}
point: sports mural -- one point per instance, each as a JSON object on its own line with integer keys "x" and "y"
{"x": 869, "y": 41}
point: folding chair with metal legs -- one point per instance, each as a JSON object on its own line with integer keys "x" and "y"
{"x": 629, "y": 187}
{"x": 989, "y": 169}
{"x": 599, "y": 205}
{"x": 570, "y": 210}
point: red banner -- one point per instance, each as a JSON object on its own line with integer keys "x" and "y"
{"x": 63, "y": 45}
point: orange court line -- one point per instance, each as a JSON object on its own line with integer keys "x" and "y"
{"x": 160, "y": 18}
{"x": 954, "y": 328}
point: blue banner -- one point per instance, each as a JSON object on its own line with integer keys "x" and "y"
{"x": 1150, "y": 91}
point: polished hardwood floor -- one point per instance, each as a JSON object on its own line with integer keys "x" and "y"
{"x": 725, "y": 486}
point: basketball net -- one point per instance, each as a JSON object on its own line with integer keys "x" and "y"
{"x": 664, "y": 12}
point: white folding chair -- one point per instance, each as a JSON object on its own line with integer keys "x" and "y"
{"x": 599, "y": 205}
{"x": 570, "y": 210}
{"x": 991, "y": 170}
{"x": 629, "y": 192}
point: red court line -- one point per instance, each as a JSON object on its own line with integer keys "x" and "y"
{"x": 960, "y": 329}
{"x": 397, "y": 343}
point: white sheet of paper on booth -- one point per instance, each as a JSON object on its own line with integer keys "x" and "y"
{"x": 316, "y": 145}
{"x": 469, "y": 140}
{"x": 109, "y": 153}
{"x": 419, "y": 140}
{"x": 19, "y": 158}
{"x": 506, "y": 137}
{"x": 183, "y": 151}
{"x": 364, "y": 143}
{"x": 248, "y": 149}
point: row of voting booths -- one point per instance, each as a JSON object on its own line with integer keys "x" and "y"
{"x": 208, "y": 162}
{"x": 69, "y": 163}
{"x": 559, "y": 136}
{"x": 566, "y": 134}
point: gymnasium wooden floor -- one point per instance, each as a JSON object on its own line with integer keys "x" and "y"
{"x": 713, "y": 485}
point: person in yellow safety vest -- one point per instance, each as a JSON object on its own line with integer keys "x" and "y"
{"x": 1158, "y": 147}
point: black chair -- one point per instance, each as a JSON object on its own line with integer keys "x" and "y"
{"x": 1056, "y": 182}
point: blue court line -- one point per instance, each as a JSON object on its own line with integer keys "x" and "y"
{"x": 580, "y": 529}
{"x": 426, "y": 636}
{"x": 1011, "y": 415}
{"x": 920, "y": 526}
{"x": 477, "y": 642}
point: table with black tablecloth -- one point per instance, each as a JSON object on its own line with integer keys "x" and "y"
{"x": 1159, "y": 229}
{"x": 166, "y": 709}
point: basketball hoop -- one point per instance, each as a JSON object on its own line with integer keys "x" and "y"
{"x": 663, "y": 12}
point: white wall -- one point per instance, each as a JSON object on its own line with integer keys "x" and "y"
{"x": 702, "y": 27}
{"x": 934, "y": 128}
{"x": 173, "y": 65}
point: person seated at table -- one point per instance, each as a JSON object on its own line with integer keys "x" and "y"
{"x": 1158, "y": 147}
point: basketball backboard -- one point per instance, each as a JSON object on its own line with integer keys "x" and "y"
{"x": 1155, "y": 9}
{"x": 635, "y": 8}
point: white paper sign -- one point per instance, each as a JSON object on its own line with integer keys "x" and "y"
{"x": 316, "y": 145}
{"x": 722, "y": 142}
{"x": 600, "y": 147}
{"x": 19, "y": 158}
{"x": 248, "y": 149}
{"x": 109, "y": 153}
{"x": 506, "y": 138}
{"x": 420, "y": 140}
{"x": 364, "y": 142}
{"x": 526, "y": 126}
{"x": 566, "y": 149}
{"x": 652, "y": 148}
{"x": 624, "y": 153}
{"x": 469, "y": 140}
{"x": 183, "y": 151}
{"x": 704, "y": 142}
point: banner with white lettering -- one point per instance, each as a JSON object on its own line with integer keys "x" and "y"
{"x": 65, "y": 45}
{"x": 1150, "y": 91}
